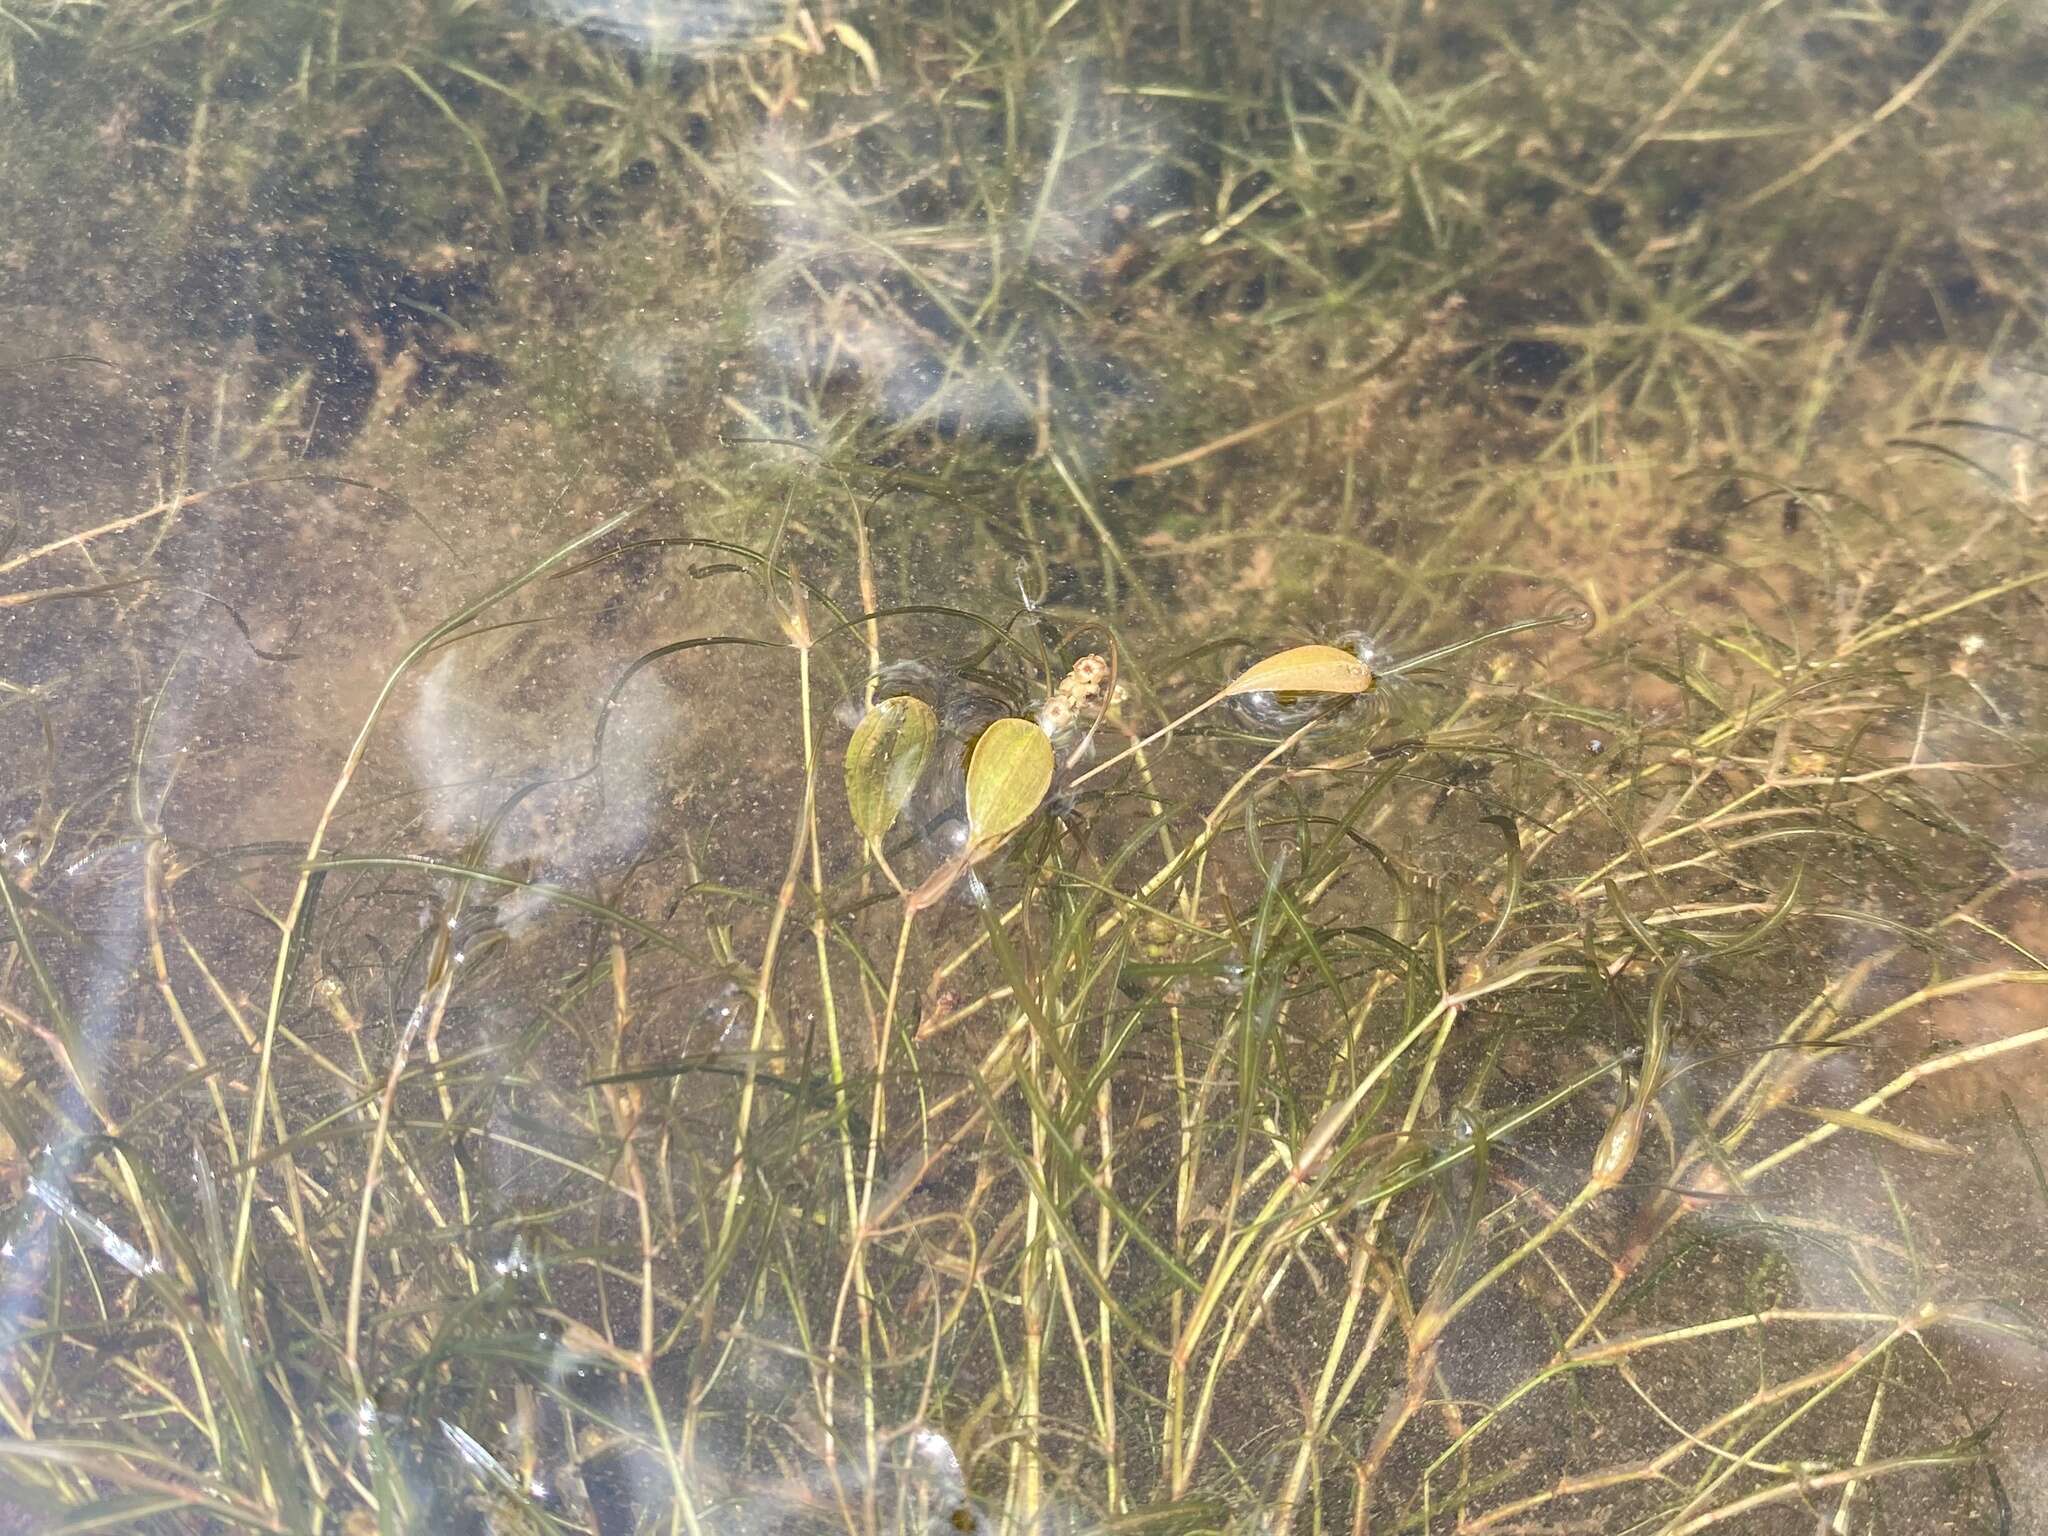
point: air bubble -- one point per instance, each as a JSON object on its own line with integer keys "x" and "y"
{"x": 1361, "y": 645}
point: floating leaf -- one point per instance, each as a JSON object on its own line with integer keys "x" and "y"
{"x": 885, "y": 759}
{"x": 1006, "y": 780}
{"x": 1305, "y": 669}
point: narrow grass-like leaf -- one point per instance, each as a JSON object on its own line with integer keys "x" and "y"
{"x": 116, "y": 1463}
{"x": 1850, "y": 1120}
{"x": 122, "y": 1512}
{"x": 62, "y": 1024}
{"x": 1034, "y": 1171}
{"x": 468, "y": 130}
{"x": 249, "y": 1406}
{"x": 2019, "y": 1131}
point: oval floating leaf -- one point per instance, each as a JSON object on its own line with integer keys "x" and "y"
{"x": 1006, "y": 780}
{"x": 1305, "y": 669}
{"x": 885, "y": 759}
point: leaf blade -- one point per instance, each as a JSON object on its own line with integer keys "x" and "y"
{"x": 1305, "y": 669}
{"x": 1007, "y": 780}
{"x": 1851, "y": 1120}
{"x": 885, "y": 760}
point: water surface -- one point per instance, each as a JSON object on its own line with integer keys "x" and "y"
{"x": 466, "y": 471}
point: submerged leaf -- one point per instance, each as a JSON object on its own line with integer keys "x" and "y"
{"x": 1305, "y": 669}
{"x": 1851, "y": 1120}
{"x": 885, "y": 759}
{"x": 1007, "y": 779}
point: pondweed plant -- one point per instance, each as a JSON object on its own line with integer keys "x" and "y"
{"x": 774, "y": 771}
{"x": 1418, "y": 1120}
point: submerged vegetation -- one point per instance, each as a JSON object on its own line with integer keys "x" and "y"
{"x": 1075, "y": 767}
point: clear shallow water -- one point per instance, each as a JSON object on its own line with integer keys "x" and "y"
{"x": 459, "y": 468}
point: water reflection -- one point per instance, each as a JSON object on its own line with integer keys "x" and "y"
{"x": 671, "y": 27}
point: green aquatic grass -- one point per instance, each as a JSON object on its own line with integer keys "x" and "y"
{"x": 1202, "y": 1063}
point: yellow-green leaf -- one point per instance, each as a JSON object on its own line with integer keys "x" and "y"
{"x": 1870, "y": 1125}
{"x": 859, "y": 47}
{"x": 885, "y": 759}
{"x": 1305, "y": 669}
{"x": 1006, "y": 780}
